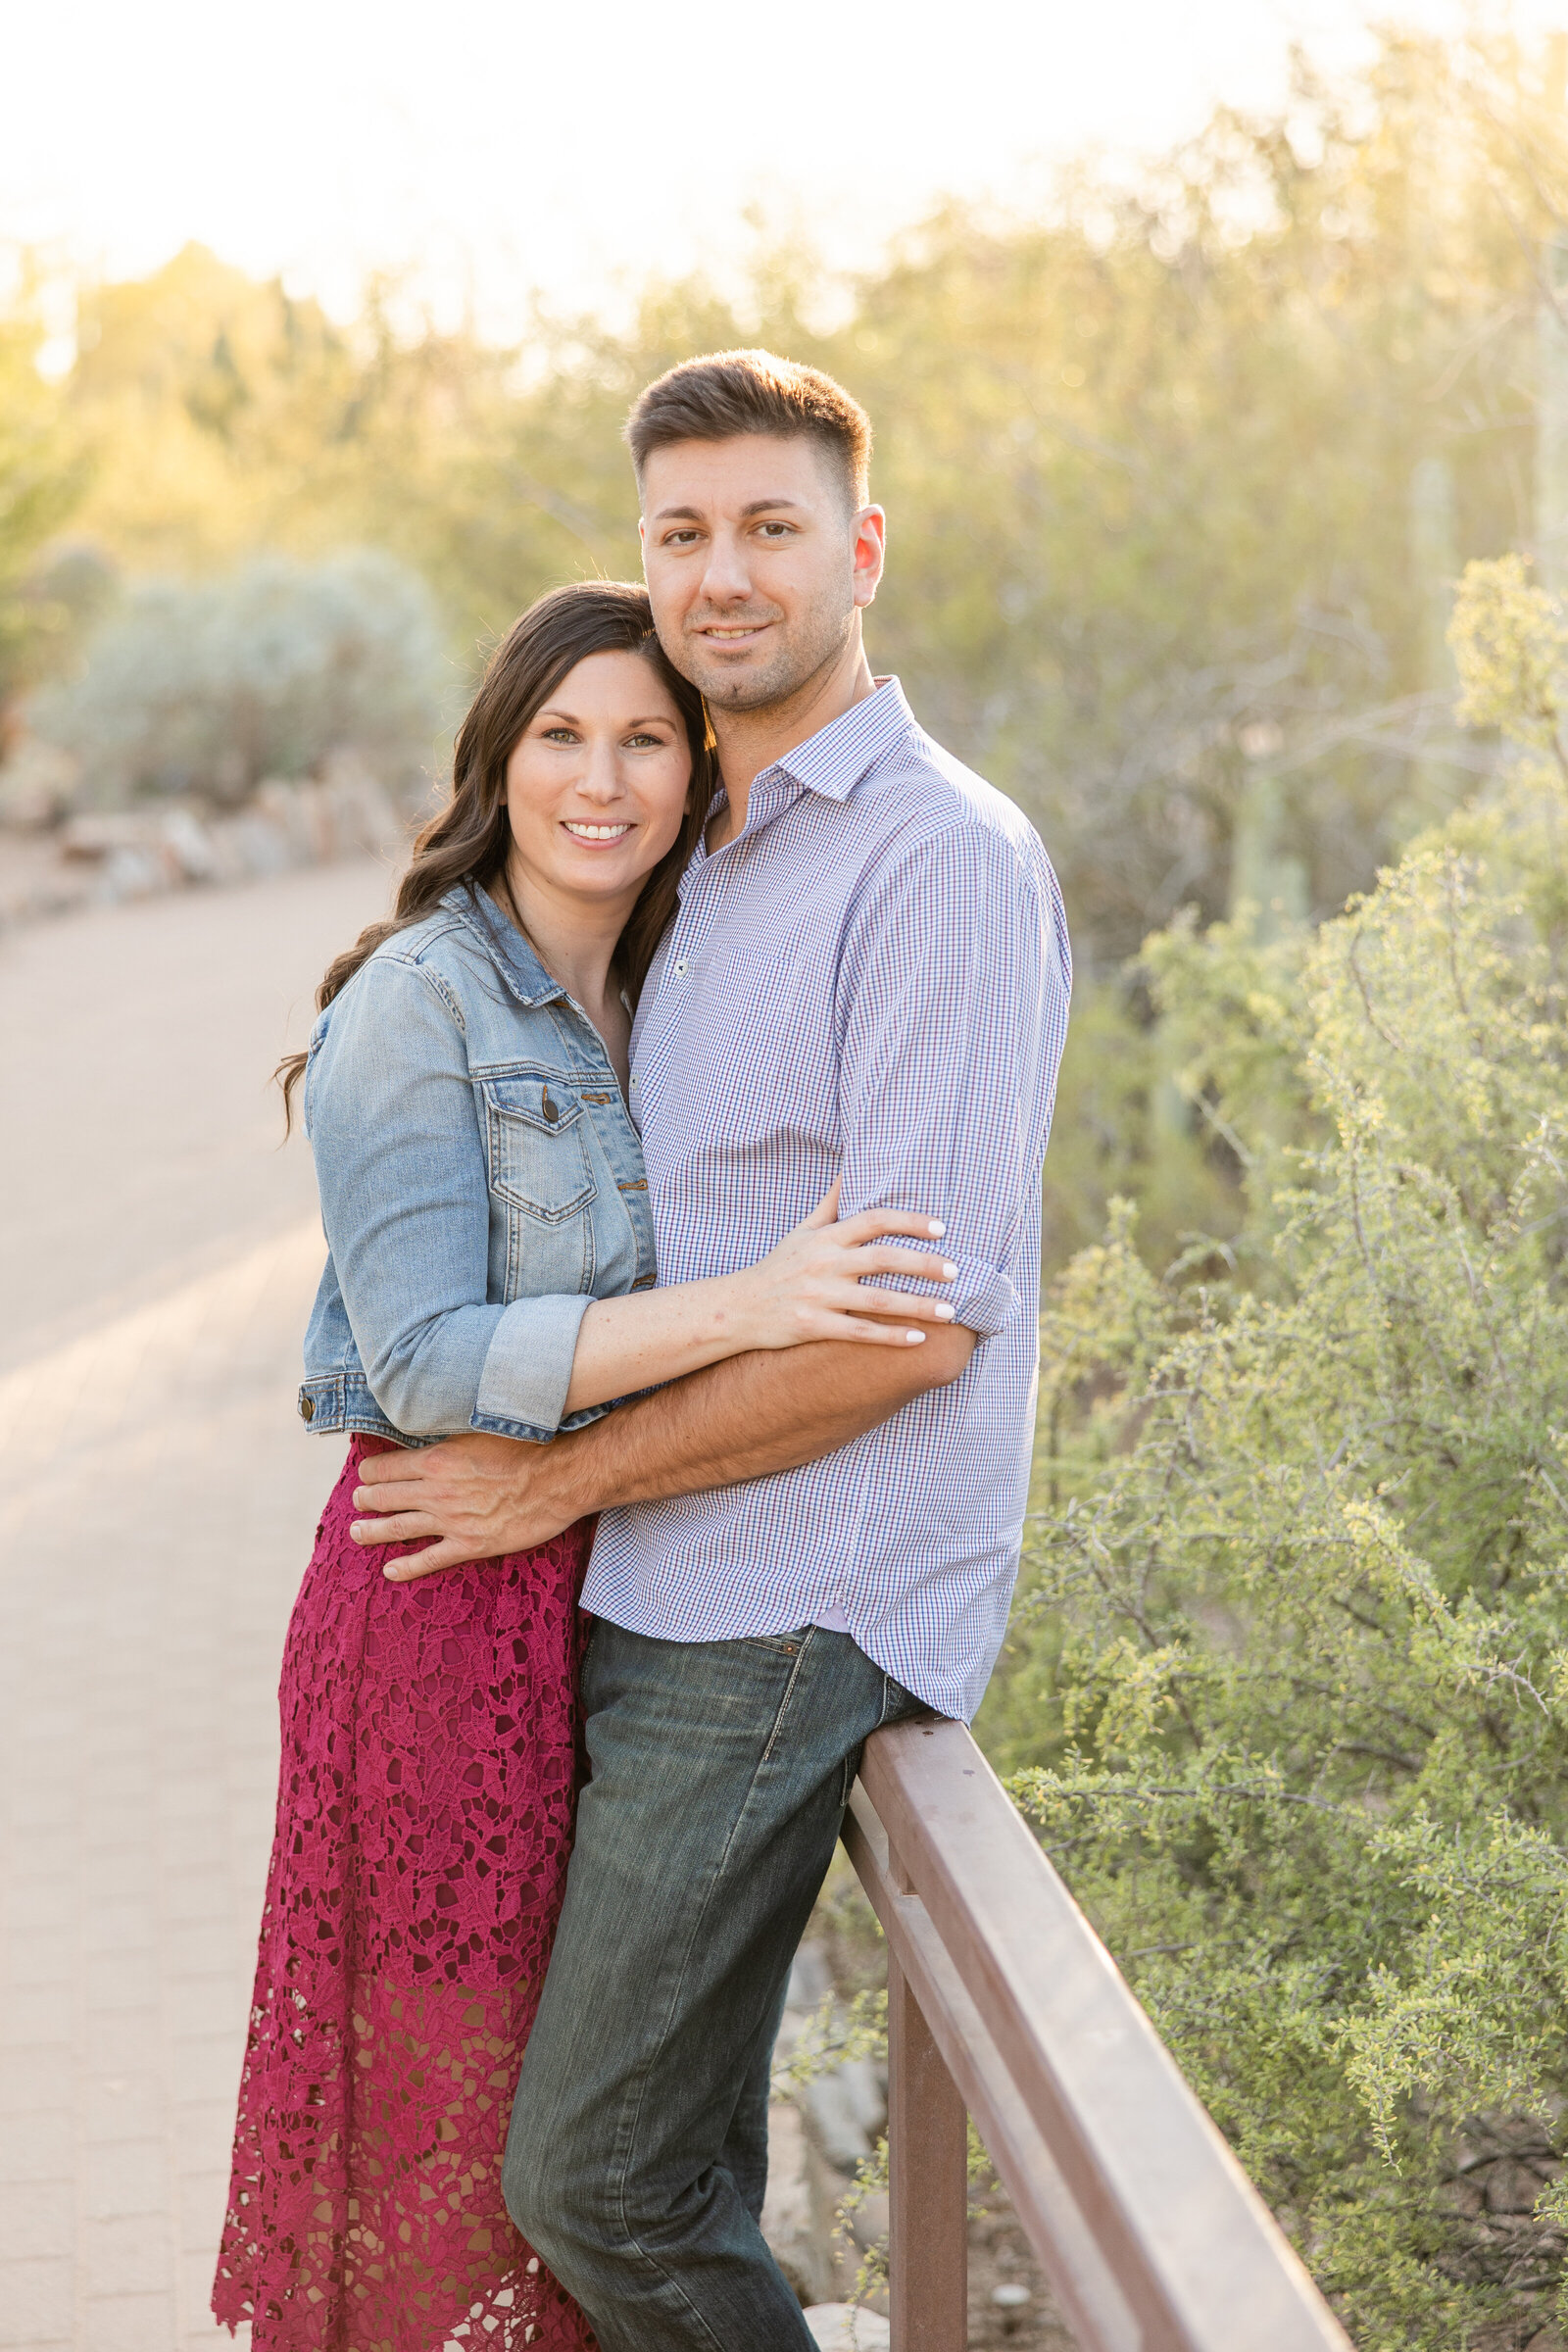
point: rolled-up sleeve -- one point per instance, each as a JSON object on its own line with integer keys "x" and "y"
{"x": 527, "y": 1366}
{"x": 953, "y": 1011}
{"x": 399, "y": 1166}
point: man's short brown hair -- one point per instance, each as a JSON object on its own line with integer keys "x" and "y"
{"x": 727, "y": 393}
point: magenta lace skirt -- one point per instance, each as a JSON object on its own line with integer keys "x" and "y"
{"x": 424, "y": 1818}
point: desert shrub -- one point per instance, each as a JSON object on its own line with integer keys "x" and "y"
{"x": 208, "y": 686}
{"x": 1288, "y": 1687}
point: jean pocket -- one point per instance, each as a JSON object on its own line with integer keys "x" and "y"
{"x": 784, "y": 1645}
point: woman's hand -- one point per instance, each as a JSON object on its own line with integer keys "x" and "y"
{"x": 813, "y": 1286}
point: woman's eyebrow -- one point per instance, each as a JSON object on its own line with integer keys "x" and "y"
{"x": 568, "y": 718}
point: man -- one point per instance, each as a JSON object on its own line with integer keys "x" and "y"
{"x": 867, "y": 979}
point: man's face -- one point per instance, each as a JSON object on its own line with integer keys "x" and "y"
{"x": 756, "y": 566}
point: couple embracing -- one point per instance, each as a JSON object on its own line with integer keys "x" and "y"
{"x": 679, "y": 1145}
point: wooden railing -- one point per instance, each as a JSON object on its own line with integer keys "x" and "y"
{"x": 1002, "y": 2000}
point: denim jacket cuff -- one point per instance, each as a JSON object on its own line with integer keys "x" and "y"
{"x": 527, "y": 1367}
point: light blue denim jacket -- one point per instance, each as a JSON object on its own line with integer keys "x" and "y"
{"x": 480, "y": 1182}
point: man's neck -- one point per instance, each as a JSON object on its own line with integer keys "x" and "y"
{"x": 749, "y": 741}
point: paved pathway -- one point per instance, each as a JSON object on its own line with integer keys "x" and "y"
{"x": 156, "y": 1502}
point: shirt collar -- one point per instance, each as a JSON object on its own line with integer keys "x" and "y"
{"x": 843, "y": 754}
{"x": 838, "y": 756}
{"x": 513, "y": 959}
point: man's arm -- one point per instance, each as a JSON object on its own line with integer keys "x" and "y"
{"x": 483, "y": 1497}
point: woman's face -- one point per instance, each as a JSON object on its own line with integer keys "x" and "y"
{"x": 597, "y": 785}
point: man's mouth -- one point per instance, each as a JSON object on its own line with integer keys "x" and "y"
{"x": 732, "y": 632}
{"x": 583, "y": 832}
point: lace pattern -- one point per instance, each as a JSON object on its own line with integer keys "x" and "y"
{"x": 425, "y": 1801}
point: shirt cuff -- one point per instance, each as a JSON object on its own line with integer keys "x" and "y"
{"x": 982, "y": 1300}
{"x": 527, "y": 1367}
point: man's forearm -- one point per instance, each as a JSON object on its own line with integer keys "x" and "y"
{"x": 480, "y": 1497}
{"x": 750, "y": 1416}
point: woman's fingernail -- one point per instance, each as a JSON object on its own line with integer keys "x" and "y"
{"x": 914, "y": 1338}
{"x": 944, "y": 1315}
{"x": 937, "y": 1227}
{"x": 950, "y": 1272}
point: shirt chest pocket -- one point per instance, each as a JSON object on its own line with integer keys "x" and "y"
{"x": 537, "y": 1151}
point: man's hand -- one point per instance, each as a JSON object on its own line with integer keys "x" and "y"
{"x": 480, "y": 1497}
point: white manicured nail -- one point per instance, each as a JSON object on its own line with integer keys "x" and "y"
{"x": 914, "y": 1338}
{"x": 937, "y": 1226}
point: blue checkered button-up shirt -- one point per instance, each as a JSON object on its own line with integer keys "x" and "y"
{"x": 871, "y": 982}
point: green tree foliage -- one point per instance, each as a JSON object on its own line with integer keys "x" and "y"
{"x": 1150, "y": 463}
{"x": 1178, "y": 480}
{"x": 1287, "y": 1688}
{"x": 40, "y": 480}
{"x": 213, "y": 685}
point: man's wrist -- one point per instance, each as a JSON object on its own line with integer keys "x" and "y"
{"x": 568, "y": 1472}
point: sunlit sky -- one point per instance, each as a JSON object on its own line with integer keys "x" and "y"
{"x": 502, "y": 146}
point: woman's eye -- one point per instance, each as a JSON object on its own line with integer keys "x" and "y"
{"x": 559, "y": 735}
{"x": 645, "y": 743}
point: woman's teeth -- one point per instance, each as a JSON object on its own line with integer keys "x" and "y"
{"x": 595, "y": 832}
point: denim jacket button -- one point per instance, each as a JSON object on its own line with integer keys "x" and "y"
{"x": 307, "y": 1408}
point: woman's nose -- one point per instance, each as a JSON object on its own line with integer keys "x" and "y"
{"x": 599, "y": 778}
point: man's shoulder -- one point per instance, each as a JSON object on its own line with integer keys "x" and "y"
{"x": 924, "y": 800}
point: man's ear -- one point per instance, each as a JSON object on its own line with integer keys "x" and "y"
{"x": 870, "y": 552}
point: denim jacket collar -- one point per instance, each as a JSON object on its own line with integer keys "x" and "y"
{"x": 519, "y": 967}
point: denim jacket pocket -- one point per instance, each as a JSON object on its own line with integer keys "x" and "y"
{"x": 542, "y": 1182}
{"x": 538, "y": 1160}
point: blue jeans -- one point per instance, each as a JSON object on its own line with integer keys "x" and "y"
{"x": 638, "y": 2151}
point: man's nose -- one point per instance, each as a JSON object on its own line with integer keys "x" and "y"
{"x": 726, "y": 579}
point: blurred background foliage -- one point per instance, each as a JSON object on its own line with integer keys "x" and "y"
{"x": 1179, "y": 481}
{"x": 211, "y": 687}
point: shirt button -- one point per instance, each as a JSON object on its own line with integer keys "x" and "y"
{"x": 680, "y": 966}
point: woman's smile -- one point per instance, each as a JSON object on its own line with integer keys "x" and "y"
{"x": 581, "y": 830}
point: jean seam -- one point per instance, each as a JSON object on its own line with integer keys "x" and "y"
{"x": 632, "y": 2108}
{"x": 799, "y": 1661}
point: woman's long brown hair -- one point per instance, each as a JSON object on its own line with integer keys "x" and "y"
{"x": 466, "y": 841}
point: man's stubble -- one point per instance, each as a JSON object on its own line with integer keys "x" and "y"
{"x": 803, "y": 655}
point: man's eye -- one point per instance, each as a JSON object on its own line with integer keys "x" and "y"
{"x": 679, "y": 538}
{"x": 778, "y": 530}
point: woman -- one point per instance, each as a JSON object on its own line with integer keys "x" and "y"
{"x": 490, "y": 1267}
